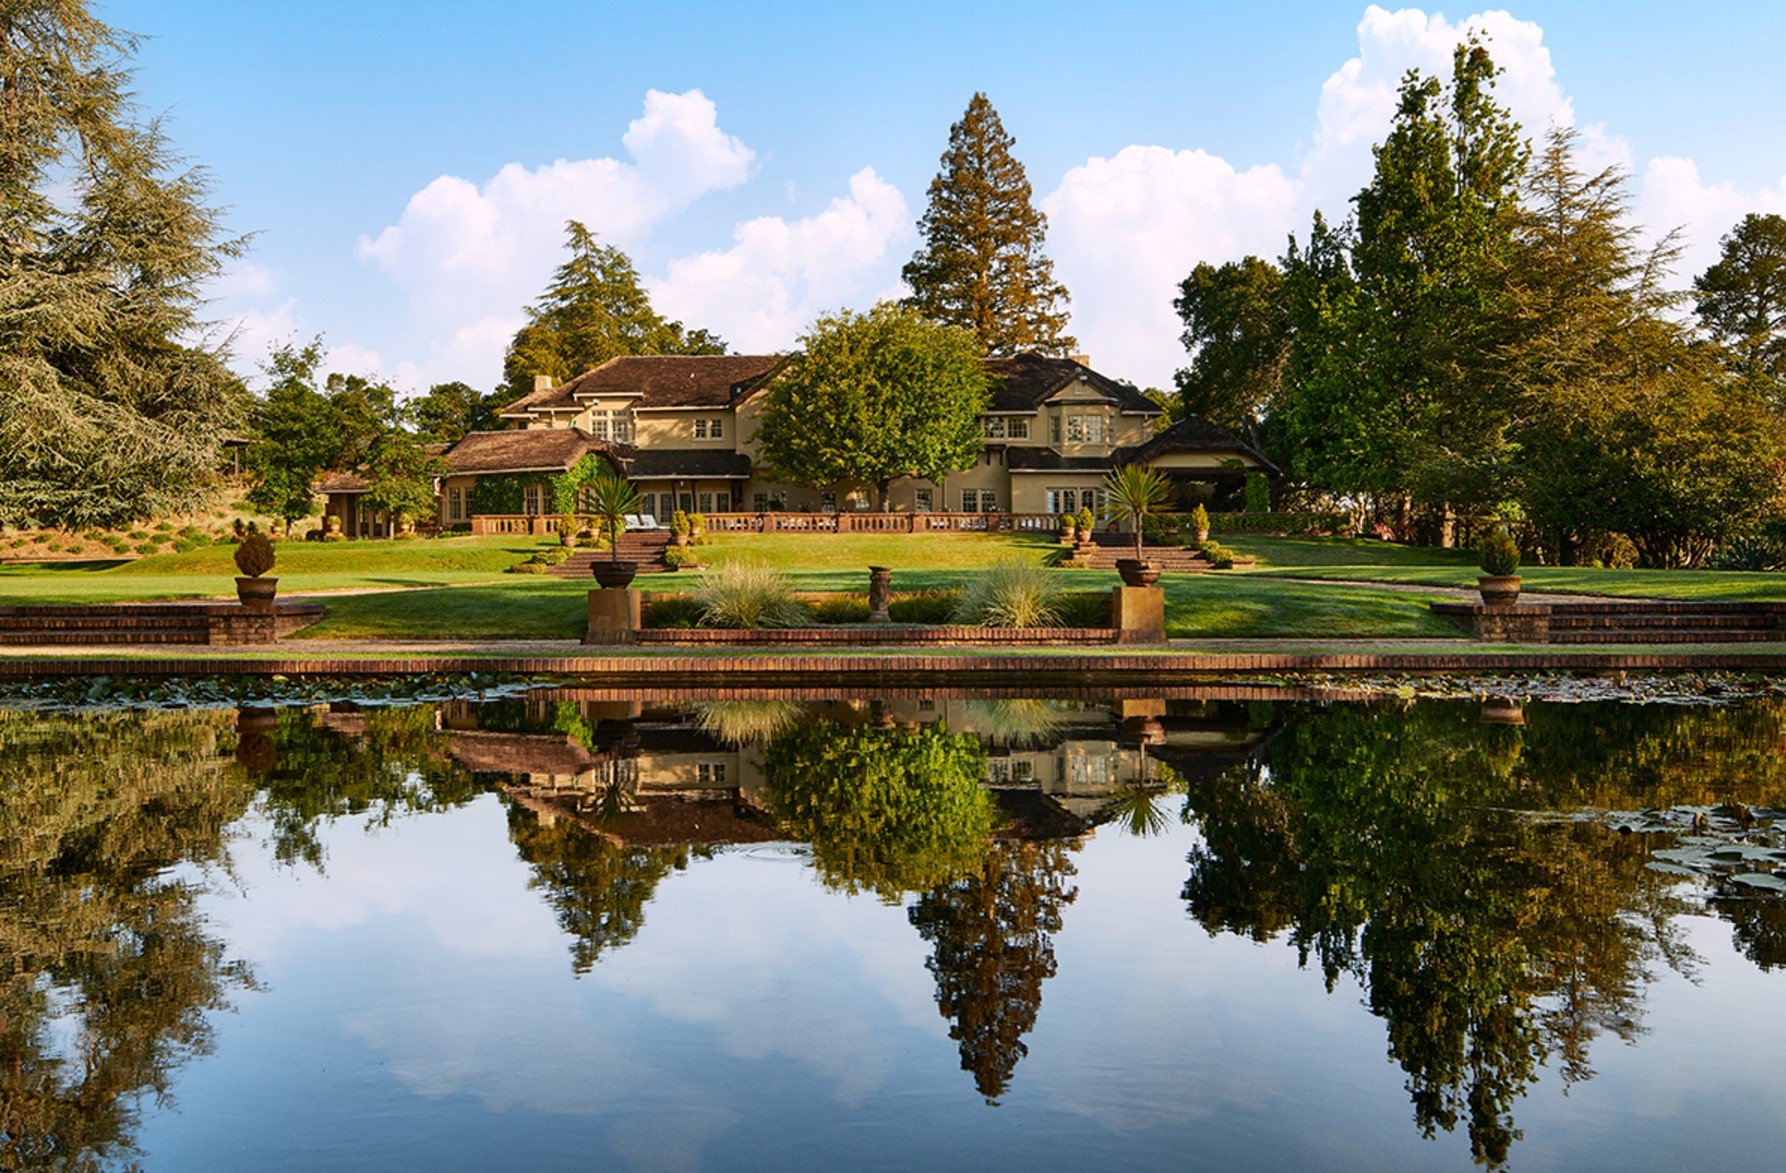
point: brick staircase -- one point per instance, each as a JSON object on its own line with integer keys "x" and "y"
{"x": 1666, "y": 623}
{"x": 645, "y": 547}
{"x": 1103, "y": 550}
{"x": 152, "y": 623}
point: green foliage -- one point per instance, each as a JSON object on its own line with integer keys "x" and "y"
{"x": 449, "y": 410}
{"x": 400, "y": 476}
{"x": 501, "y": 492}
{"x": 748, "y": 595}
{"x": 111, "y": 406}
{"x": 531, "y": 566}
{"x": 1134, "y": 491}
{"x": 1087, "y": 522}
{"x": 571, "y": 491}
{"x": 1010, "y": 594}
{"x": 1280, "y": 523}
{"x": 1199, "y": 518}
{"x": 1083, "y": 609}
{"x": 1258, "y": 493}
{"x": 254, "y": 557}
{"x": 838, "y": 609}
{"x": 1498, "y": 554}
{"x": 595, "y": 309}
{"x": 663, "y": 609}
{"x": 679, "y": 525}
{"x": 874, "y": 397}
{"x": 1237, "y": 332}
{"x": 682, "y": 556}
{"x": 611, "y": 497}
{"x": 930, "y": 606}
{"x": 1741, "y": 301}
{"x": 981, "y": 267}
{"x": 888, "y": 811}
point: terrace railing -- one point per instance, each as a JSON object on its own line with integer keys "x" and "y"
{"x": 862, "y": 522}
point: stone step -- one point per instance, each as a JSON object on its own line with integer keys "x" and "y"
{"x": 1675, "y": 635}
{"x": 1630, "y": 620}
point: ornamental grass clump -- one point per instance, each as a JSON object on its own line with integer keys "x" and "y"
{"x": 1010, "y": 594}
{"x": 1499, "y": 553}
{"x": 747, "y": 595}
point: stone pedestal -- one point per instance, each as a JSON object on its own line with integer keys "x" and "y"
{"x": 880, "y": 594}
{"x": 1138, "y": 614}
{"x": 615, "y": 613}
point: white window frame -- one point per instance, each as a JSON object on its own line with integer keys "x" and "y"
{"x": 970, "y": 500}
{"x": 1017, "y": 428}
{"x": 992, "y": 427}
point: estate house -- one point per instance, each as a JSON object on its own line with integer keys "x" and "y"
{"x": 682, "y": 428}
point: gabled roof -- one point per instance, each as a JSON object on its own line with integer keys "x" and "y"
{"x": 529, "y": 450}
{"x": 658, "y": 380}
{"x": 1026, "y": 381}
{"x": 1193, "y": 433}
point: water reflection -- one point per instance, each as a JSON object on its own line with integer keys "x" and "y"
{"x": 1454, "y": 861}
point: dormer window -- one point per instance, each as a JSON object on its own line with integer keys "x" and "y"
{"x": 993, "y": 427}
{"x": 610, "y": 425}
{"x": 709, "y": 429}
{"x": 1085, "y": 429}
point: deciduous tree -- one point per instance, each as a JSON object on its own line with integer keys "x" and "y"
{"x": 874, "y": 397}
{"x": 1237, "y": 331}
{"x": 982, "y": 265}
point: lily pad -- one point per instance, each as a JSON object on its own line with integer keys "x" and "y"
{"x": 1765, "y": 881}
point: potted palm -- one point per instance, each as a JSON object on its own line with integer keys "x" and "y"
{"x": 1499, "y": 558}
{"x": 254, "y": 557}
{"x": 613, "y": 498}
{"x": 1133, "y": 492}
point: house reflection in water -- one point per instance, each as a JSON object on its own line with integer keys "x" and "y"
{"x": 691, "y": 771}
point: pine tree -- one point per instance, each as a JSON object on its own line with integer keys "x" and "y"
{"x": 595, "y": 309}
{"x": 982, "y": 266}
{"x": 108, "y": 411}
{"x": 1742, "y": 302}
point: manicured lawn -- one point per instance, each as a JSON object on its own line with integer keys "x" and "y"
{"x": 1209, "y": 605}
{"x": 302, "y": 566}
{"x": 1361, "y": 559}
{"x": 855, "y": 553}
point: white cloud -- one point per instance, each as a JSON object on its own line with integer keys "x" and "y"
{"x": 467, "y": 253}
{"x": 1674, "y": 196}
{"x": 1125, "y": 230}
{"x": 778, "y": 275}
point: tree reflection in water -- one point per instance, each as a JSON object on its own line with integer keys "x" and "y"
{"x": 886, "y": 810}
{"x": 1408, "y": 848}
{"x": 106, "y": 973}
{"x": 992, "y": 938}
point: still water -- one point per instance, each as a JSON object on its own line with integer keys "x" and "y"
{"x": 579, "y": 929}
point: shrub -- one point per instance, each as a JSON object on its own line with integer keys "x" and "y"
{"x": 1087, "y": 522}
{"x": 1498, "y": 553}
{"x": 748, "y": 595}
{"x": 254, "y": 557}
{"x": 528, "y": 567}
{"x": 1084, "y": 609}
{"x": 147, "y": 548}
{"x": 679, "y": 526}
{"x": 1069, "y": 522}
{"x": 682, "y": 556}
{"x": 1072, "y": 564}
{"x": 697, "y": 527}
{"x": 94, "y": 535}
{"x": 1258, "y": 493}
{"x": 137, "y": 535}
{"x": 671, "y": 610}
{"x": 185, "y": 546}
{"x": 931, "y": 605}
{"x": 164, "y": 527}
{"x": 1200, "y": 519}
{"x": 1010, "y": 594}
{"x": 1280, "y": 523}
{"x": 839, "y": 608}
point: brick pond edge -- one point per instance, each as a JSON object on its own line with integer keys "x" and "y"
{"x": 1128, "y": 667}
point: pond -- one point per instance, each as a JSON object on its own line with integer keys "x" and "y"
{"x": 563, "y": 927}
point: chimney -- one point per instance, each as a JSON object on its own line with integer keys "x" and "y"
{"x": 543, "y": 383}
{"x": 1083, "y": 360}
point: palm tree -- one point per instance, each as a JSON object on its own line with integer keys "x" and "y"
{"x": 1132, "y": 492}
{"x": 613, "y": 497}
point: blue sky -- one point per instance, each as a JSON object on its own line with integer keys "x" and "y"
{"x": 406, "y": 168}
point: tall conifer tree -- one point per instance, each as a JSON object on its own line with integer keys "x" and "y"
{"x": 108, "y": 411}
{"x": 982, "y": 266}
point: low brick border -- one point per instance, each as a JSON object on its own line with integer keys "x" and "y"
{"x": 888, "y": 636}
{"x": 99, "y": 624}
{"x": 1127, "y": 668}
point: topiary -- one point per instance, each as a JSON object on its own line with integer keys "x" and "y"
{"x": 254, "y": 557}
{"x": 1200, "y": 519}
{"x": 1087, "y": 522}
{"x": 1498, "y": 553}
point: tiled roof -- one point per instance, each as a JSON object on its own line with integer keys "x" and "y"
{"x": 1026, "y": 381}
{"x": 1193, "y": 433}
{"x": 660, "y": 380}
{"x": 521, "y": 450}
{"x": 341, "y": 482}
{"x": 519, "y": 753}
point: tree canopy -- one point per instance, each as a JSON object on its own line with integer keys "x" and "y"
{"x": 981, "y": 266}
{"x": 109, "y": 408}
{"x": 594, "y": 309}
{"x": 1237, "y": 331}
{"x": 1742, "y": 301}
{"x": 873, "y": 397}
